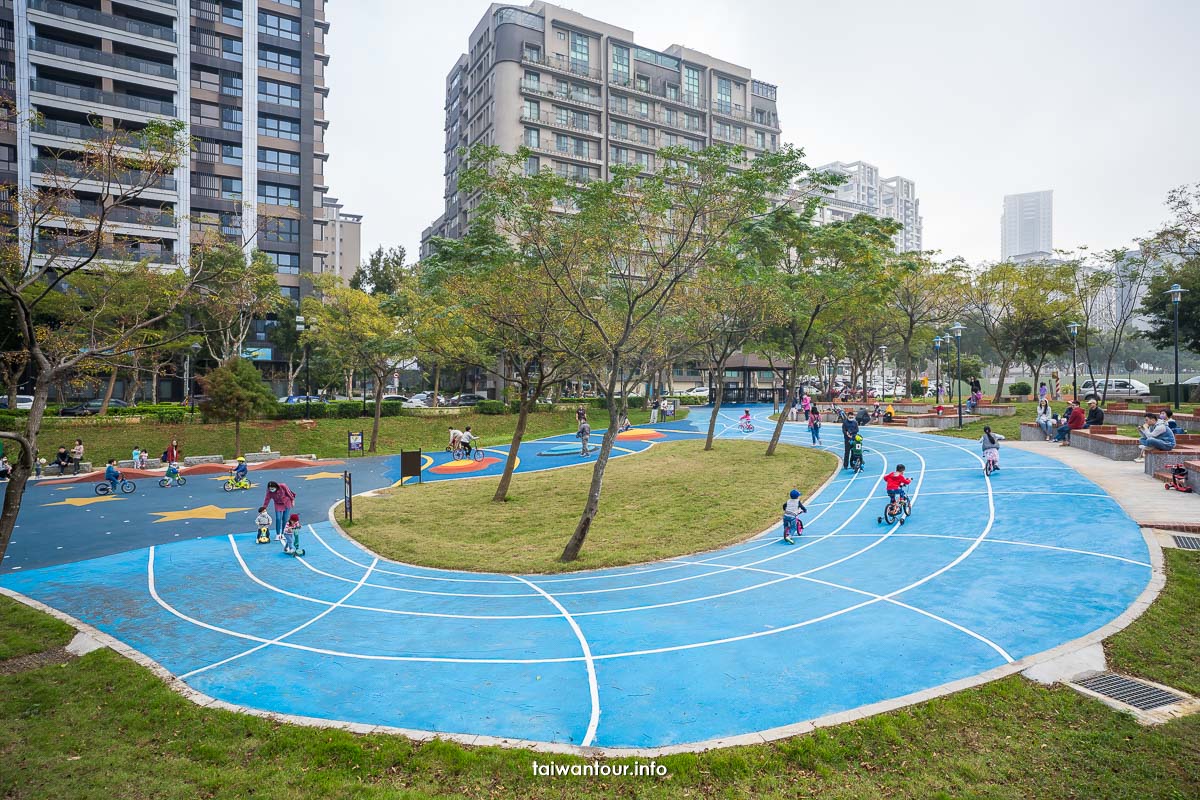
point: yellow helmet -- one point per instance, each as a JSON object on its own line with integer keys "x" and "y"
{"x": 241, "y": 458}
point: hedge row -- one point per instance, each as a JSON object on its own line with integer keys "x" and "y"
{"x": 635, "y": 402}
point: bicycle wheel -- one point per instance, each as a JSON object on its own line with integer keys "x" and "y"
{"x": 164, "y": 482}
{"x": 890, "y": 514}
{"x": 987, "y": 467}
{"x": 477, "y": 454}
{"x": 128, "y": 487}
{"x": 181, "y": 480}
{"x": 103, "y": 489}
{"x": 228, "y": 486}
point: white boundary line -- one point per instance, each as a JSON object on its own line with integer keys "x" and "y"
{"x": 593, "y": 687}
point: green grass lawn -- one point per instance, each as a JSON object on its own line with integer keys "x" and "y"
{"x": 325, "y": 437}
{"x": 673, "y": 499}
{"x": 102, "y": 727}
{"x": 24, "y": 631}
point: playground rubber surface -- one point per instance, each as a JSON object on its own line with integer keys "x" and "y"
{"x": 757, "y": 636}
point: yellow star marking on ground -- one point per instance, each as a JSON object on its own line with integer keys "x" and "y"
{"x": 203, "y": 512}
{"x": 64, "y": 488}
{"x": 83, "y": 501}
{"x": 317, "y": 475}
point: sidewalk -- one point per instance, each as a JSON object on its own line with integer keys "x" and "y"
{"x": 1142, "y": 497}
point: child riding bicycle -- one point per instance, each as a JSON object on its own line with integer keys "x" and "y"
{"x": 792, "y": 509}
{"x": 896, "y": 481}
{"x": 172, "y": 472}
{"x": 990, "y": 442}
{"x": 112, "y": 474}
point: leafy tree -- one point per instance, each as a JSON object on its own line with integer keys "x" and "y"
{"x": 238, "y": 290}
{"x": 286, "y": 339}
{"x": 1175, "y": 250}
{"x": 617, "y": 253}
{"x": 236, "y": 392}
{"x": 382, "y": 274}
{"x": 927, "y": 295}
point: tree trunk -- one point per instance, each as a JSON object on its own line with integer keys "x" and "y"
{"x": 237, "y": 437}
{"x": 791, "y": 392}
{"x": 154, "y": 384}
{"x": 378, "y": 413}
{"x": 571, "y": 551}
{"x": 108, "y": 392}
{"x": 1005, "y": 363}
{"x": 437, "y": 379}
{"x": 510, "y": 463}
{"x": 22, "y": 466}
{"x": 712, "y": 421}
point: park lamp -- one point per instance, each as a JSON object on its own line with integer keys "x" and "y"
{"x": 937, "y": 344}
{"x": 1073, "y": 329}
{"x": 957, "y": 330}
{"x": 299, "y": 324}
{"x": 1176, "y": 291}
{"x": 195, "y": 348}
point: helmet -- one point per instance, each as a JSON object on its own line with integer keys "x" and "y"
{"x": 241, "y": 458}
{"x": 795, "y": 494}
{"x": 858, "y": 437}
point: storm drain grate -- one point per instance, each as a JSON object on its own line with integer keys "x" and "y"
{"x": 1141, "y": 696}
{"x": 1187, "y": 542}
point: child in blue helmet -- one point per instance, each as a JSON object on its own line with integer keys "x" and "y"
{"x": 792, "y": 509}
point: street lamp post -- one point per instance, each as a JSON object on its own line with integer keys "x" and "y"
{"x": 1073, "y": 329}
{"x": 301, "y": 327}
{"x": 832, "y": 366}
{"x": 937, "y": 369}
{"x": 187, "y": 376}
{"x": 1176, "y": 292}
{"x": 883, "y": 371}
{"x": 957, "y": 330}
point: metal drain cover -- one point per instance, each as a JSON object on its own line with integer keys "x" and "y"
{"x": 1141, "y": 696}
{"x": 1187, "y": 542}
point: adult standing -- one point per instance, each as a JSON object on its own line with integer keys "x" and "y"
{"x": 582, "y": 434}
{"x": 806, "y": 405}
{"x": 283, "y": 500}
{"x": 173, "y": 455}
{"x": 849, "y": 431}
{"x": 580, "y": 414}
{"x": 654, "y": 409}
{"x": 77, "y": 456}
{"x": 1042, "y": 392}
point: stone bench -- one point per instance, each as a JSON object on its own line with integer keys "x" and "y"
{"x": 151, "y": 463}
{"x": 51, "y": 469}
{"x": 946, "y": 420}
{"x": 191, "y": 461}
{"x": 1106, "y": 443}
{"x": 1031, "y": 432}
{"x": 989, "y": 410}
{"x": 1156, "y": 460}
{"x": 258, "y": 457}
{"x": 1193, "y": 474}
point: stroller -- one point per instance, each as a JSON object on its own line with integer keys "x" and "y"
{"x": 1179, "y": 481}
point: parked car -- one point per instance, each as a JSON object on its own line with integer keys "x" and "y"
{"x": 426, "y": 398}
{"x": 90, "y": 407}
{"x": 696, "y": 391}
{"x": 299, "y": 398}
{"x": 1117, "y": 389}
{"x": 24, "y": 401}
{"x": 467, "y": 399}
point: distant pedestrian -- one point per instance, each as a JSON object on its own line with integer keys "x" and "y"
{"x": 62, "y": 459}
{"x": 172, "y": 453}
{"x": 582, "y": 435}
{"x": 1042, "y": 392}
{"x": 77, "y": 455}
{"x": 849, "y": 431}
{"x": 806, "y": 405}
{"x": 5, "y": 468}
{"x": 580, "y": 414}
{"x": 282, "y": 499}
{"x": 814, "y": 427}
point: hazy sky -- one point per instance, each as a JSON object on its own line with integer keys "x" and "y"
{"x": 1094, "y": 99}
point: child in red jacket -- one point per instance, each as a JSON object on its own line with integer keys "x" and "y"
{"x": 896, "y": 482}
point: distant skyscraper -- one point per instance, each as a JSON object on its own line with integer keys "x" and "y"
{"x": 864, "y": 192}
{"x": 1027, "y": 225}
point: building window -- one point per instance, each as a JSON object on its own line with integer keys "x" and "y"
{"x": 231, "y": 48}
{"x": 231, "y": 154}
{"x": 672, "y": 91}
{"x": 692, "y": 121}
{"x": 691, "y": 85}
{"x": 671, "y": 116}
{"x": 231, "y": 188}
{"x": 208, "y": 81}
{"x": 277, "y": 195}
{"x": 205, "y": 114}
{"x": 532, "y": 137}
{"x": 285, "y": 263}
{"x": 724, "y": 95}
{"x": 291, "y": 293}
{"x": 579, "y": 51}
{"x": 231, "y": 84}
{"x": 532, "y": 165}
{"x": 760, "y": 140}
{"x": 231, "y": 118}
{"x": 275, "y": 25}
{"x": 278, "y": 161}
{"x": 620, "y": 65}
{"x": 643, "y": 109}
{"x": 279, "y": 127}
{"x": 274, "y": 58}
{"x": 532, "y": 110}
{"x": 643, "y": 83}
{"x": 533, "y": 80}
{"x": 284, "y": 94}
{"x": 231, "y": 15}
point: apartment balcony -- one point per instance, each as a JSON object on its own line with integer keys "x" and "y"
{"x": 552, "y": 121}
{"x": 542, "y": 90}
{"x": 73, "y": 169}
{"x": 58, "y": 248}
{"x": 630, "y": 85}
{"x": 113, "y": 60}
{"x": 90, "y": 17}
{"x": 130, "y": 215}
{"x": 571, "y": 153}
{"x": 563, "y": 66}
{"x": 737, "y": 112}
{"x": 88, "y": 95}
{"x": 634, "y": 138}
{"x": 631, "y": 113}
{"x": 67, "y": 130}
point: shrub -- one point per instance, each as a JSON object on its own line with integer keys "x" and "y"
{"x": 490, "y": 407}
{"x": 8, "y": 421}
{"x": 636, "y": 402}
{"x": 689, "y": 400}
{"x": 347, "y": 409}
{"x": 169, "y": 416}
{"x": 1020, "y": 387}
{"x": 591, "y": 402}
{"x": 916, "y": 389}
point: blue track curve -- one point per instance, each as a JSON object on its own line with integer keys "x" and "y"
{"x": 753, "y": 637}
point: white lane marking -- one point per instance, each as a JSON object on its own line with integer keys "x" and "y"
{"x": 304, "y": 561}
{"x": 281, "y": 637}
{"x": 1007, "y": 541}
{"x": 1004, "y": 654}
{"x": 404, "y": 574}
{"x": 593, "y": 686}
{"x": 246, "y": 569}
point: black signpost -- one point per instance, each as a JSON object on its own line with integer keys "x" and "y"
{"x": 410, "y": 465}
{"x": 348, "y": 495}
{"x": 354, "y": 442}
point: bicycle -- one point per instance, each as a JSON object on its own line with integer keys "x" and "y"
{"x": 127, "y": 487}
{"x": 460, "y": 453}
{"x": 232, "y": 483}
{"x": 746, "y": 427}
{"x": 178, "y": 481}
{"x": 897, "y": 506}
{"x": 991, "y": 462}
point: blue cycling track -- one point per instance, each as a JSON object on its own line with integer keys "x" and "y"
{"x": 756, "y": 636}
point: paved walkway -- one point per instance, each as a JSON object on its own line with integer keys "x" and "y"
{"x": 1142, "y": 497}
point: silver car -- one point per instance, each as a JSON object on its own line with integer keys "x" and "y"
{"x": 1117, "y": 389}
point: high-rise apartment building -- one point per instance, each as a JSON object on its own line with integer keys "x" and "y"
{"x": 248, "y": 78}
{"x": 865, "y": 192}
{"x": 343, "y": 236}
{"x": 583, "y": 96}
{"x": 1027, "y": 226}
